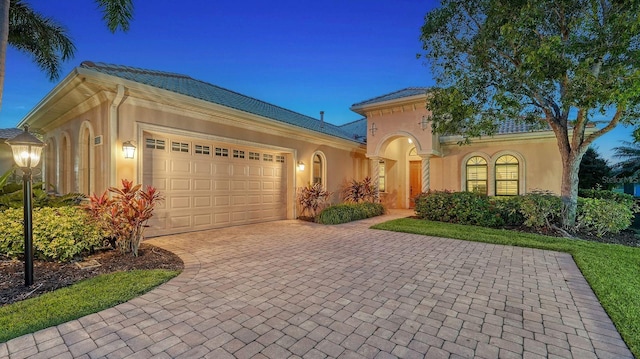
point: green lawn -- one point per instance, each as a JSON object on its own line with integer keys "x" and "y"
{"x": 83, "y": 298}
{"x": 613, "y": 271}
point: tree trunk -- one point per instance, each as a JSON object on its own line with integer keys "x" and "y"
{"x": 569, "y": 187}
{"x": 4, "y": 40}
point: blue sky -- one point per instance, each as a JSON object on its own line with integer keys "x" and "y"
{"x": 306, "y": 56}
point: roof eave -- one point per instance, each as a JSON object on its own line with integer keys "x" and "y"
{"x": 362, "y": 109}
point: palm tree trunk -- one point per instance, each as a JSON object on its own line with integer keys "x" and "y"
{"x": 4, "y": 40}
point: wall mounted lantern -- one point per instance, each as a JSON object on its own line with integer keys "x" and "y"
{"x": 129, "y": 149}
{"x": 300, "y": 166}
{"x": 424, "y": 122}
{"x": 27, "y": 149}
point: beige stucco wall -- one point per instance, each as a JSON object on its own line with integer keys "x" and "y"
{"x": 542, "y": 165}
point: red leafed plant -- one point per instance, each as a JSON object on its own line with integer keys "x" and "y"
{"x": 124, "y": 216}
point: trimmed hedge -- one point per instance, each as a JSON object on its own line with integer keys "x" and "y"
{"x": 348, "y": 212}
{"x": 458, "y": 207}
{"x": 58, "y": 233}
{"x": 606, "y": 212}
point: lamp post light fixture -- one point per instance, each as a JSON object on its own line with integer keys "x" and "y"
{"x": 129, "y": 149}
{"x": 27, "y": 149}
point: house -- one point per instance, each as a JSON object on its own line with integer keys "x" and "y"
{"x": 221, "y": 158}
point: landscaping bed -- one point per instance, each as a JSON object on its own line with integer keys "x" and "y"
{"x": 49, "y": 275}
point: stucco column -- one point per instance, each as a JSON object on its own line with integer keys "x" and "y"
{"x": 375, "y": 174}
{"x": 425, "y": 173}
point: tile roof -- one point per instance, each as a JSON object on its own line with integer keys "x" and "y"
{"x": 188, "y": 86}
{"x": 513, "y": 126}
{"x": 7, "y": 133}
{"x": 357, "y": 127}
{"x": 407, "y": 92}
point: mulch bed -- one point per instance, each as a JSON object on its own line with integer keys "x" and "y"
{"x": 49, "y": 276}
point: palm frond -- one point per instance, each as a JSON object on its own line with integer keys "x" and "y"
{"x": 116, "y": 13}
{"x": 630, "y": 158}
{"x": 40, "y": 37}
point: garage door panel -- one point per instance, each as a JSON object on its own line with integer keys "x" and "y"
{"x": 203, "y": 168}
{"x": 222, "y": 169}
{"x": 202, "y": 184}
{"x": 240, "y": 170}
{"x": 180, "y": 202}
{"x": 202, "y": 201}
{"x": 180, "y": 222}
{"x": 180, "y": 166}
{"x": 254, "y": 185}
{"x": 255, "y": 171}
{"x": 206, "y": 190}
{"x": 222, "y": 218}
{"x": 180, "y": 184}
{"x": 239, "y": 185}
{"x": 200, "y": 220}
{"x": 221, "y": 201}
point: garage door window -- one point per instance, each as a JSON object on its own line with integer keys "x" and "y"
{"x": 202, "y": 150}
{"x": 267, "y": 157}
{"x": 254, "y": 156}
{"x": 153, "y": 143}
{"x": 180, "y": 147}
{"x": 222, "y": 152}
{"x": 238, "y": 154}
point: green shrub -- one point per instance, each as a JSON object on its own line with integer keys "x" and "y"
{"x": 622, "y": 198}
{"x": 348, "y": 212}
{"x": 603, "y": 216}
{"x": 458, "y": 207}
{"x": 509, "y": 209}
{"x": 540, "y": 209}
{"x": 11, "y": 196}
{"x": 58, "y": 233}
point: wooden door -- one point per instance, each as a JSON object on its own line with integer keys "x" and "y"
{"x": 415, "y": 181}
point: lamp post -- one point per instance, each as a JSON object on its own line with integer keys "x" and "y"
{"x": 26, "y": 153}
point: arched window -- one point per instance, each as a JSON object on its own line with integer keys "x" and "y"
{"x": 476, "y": 168}
{"x": 318, "y": 168}
{"x": 86, "y": 178}
{"x": 507, "y": 178}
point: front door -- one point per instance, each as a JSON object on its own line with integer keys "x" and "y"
{"x": 415, "y": 181}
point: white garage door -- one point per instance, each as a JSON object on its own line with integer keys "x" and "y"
{"x": 210, "y": 185}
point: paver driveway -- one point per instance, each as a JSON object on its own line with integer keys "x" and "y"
{"x": 294, "y": 289}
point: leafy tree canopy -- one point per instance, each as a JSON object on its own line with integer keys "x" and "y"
{"x": 567, "y": 65}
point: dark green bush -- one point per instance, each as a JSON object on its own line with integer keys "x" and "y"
{"x": 540, "y": 209}
{"x": 58, "y": 233}
{"x": 348, "y": 212}
{"x": 623, "y": 198}
{"x": 458, "y": 207}
{"x": 509, "y": 210}
{"x": 602, "y": 216}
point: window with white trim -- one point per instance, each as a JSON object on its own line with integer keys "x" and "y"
{"x": 477, "y": 172}
{"x": 382, "y": 176}
{"x": 507, "y": 170}
{"x": 317, "y": 169}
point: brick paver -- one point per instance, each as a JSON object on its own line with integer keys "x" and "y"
{"x": 302, "y": 290}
